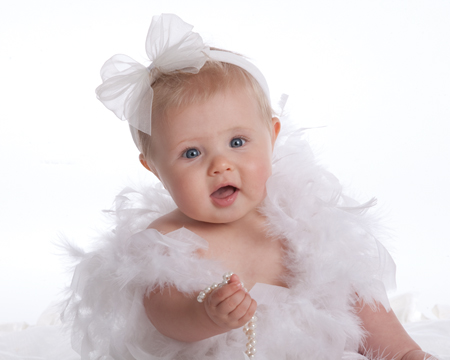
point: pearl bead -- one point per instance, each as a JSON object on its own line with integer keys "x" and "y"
{"x": 227, "y": 276}
{"x": 251, "y": 334}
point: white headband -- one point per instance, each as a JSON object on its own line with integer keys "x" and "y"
{"x": 171, "y": 45}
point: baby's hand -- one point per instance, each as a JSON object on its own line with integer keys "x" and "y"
{"x": 230, "y": 306}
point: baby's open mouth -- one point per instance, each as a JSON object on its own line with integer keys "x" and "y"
{"x": 224, "y": 192}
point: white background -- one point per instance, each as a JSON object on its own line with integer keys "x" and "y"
{"x": 375, "y": 73}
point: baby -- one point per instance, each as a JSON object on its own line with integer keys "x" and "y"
{"x": 203, "y": 123}
{"x": 214, "y": 156}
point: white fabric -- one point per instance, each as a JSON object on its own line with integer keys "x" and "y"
{"x": 126, "y": 90}
{"x": 49, "y": 341}
{"x": 170, "y": 45}
{"x": 44, "y": 341}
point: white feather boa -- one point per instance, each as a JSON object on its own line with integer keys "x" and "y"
{"x": 333, "y": 257}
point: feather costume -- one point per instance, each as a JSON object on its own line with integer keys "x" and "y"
{"x": 332, "y": 256}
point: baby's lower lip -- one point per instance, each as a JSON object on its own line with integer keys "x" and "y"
{"x": 224, "y": 201}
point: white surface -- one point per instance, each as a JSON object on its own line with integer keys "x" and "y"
{"x": 376, "y": 73}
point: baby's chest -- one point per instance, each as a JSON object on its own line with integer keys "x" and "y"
{"x": 259, "y": 263}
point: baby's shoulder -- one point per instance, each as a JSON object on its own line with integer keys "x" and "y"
{"x": 175, "y": 220}
{"x": 167, "y": 223}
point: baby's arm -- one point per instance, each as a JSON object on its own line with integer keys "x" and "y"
{"x": 183, "y": 318}
{"x": 386, "y": 336}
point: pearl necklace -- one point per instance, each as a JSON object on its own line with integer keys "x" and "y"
{"x": 249, "y": 328}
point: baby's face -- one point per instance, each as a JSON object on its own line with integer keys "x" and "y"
{"x": 214, "y": 158}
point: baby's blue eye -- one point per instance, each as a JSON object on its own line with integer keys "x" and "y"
{"x": 191, "y": 153}
{"x": 237, "y": 142}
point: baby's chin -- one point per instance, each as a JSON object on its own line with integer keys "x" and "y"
{"x": 226, "y": 217}
{"x": 214, "y": 219}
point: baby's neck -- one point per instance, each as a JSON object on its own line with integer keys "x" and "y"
{"x": 176, "y": 219}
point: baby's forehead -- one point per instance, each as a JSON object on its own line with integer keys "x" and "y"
{"x": 224, "y": 106}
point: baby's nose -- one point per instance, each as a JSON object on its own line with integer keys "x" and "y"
{"x": 219, "y": 165}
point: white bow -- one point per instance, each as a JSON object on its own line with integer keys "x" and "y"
{"x": 126, "y": 90}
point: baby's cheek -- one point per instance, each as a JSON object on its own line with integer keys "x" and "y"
{"x": 183, "y": 192}
{"x": 259, "y": 172}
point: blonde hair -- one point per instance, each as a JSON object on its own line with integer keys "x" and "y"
{"x": 180, "y": 89}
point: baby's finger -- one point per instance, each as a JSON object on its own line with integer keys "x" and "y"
{"x": 228, "y": 305}
{"x": 244, "y": 312}
{"x": 234, "y": 279}
{"x": 224, "y": 292}
{"x": 249, "y": 317}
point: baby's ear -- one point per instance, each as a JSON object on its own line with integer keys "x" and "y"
{"x": 276, "y": 127}
{"x": 147, "y": 165}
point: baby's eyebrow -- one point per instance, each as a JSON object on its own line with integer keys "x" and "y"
{"x": 241, "y": 128}
{"x": 184, "y": 143}
{"x": 237, "y": 130}
{"x": 187, "y": 140}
